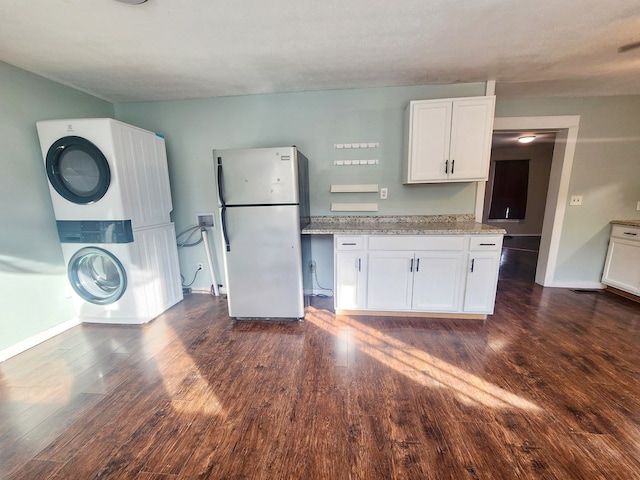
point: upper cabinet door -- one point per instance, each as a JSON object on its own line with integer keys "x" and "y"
{"x": 471, "y": 133}
{"x": 448, "y": 140}
{"x": 430, "y": 133}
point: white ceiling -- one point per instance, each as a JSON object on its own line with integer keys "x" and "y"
{"x": 175, "y": 49}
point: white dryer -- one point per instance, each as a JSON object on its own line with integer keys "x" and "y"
{"x": 103, "y": 169}
{"x": 119, "y": 275}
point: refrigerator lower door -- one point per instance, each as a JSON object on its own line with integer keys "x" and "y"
{"x": 264, "y": 263}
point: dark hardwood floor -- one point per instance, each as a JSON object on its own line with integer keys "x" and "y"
{"x": 547, "y": 388}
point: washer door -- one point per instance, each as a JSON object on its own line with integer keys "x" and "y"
{"x": 97, "y": 275}
{"x": 78, "y": 170}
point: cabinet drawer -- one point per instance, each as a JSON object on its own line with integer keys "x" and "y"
{"x": 344, "y": 243}
{"x": 417, "y": 242}
{"x": 486, "y": 244}
{"x": 629, "y": 233}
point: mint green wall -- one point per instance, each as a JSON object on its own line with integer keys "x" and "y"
{"x": 313, "y": 121}
{"x": 606, "y": 171}
{"x": 32, "y": 273}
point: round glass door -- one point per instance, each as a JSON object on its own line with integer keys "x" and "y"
{"x": 97, "y": 275}
{"x": 78, "y": 170}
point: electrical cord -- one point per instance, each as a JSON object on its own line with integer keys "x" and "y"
{"x": 192, "y": 281}
{"x": 190, "y": 231}
{"x": 322, "y": 295}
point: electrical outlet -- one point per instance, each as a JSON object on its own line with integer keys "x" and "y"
{"x": 576, "y": 200}
{"x": 638, "y": 206}
{"x": 384, "y": 192}
{"x": 200, "y": 266}
{"x": 312, "y": 266}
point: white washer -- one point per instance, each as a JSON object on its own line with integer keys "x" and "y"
{"x": 119, "y": 275}
{"x": 103, "y": 169}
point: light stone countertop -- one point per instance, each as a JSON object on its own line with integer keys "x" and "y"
{"x": 628, "y": 223}
{"x": 399, "y": 225}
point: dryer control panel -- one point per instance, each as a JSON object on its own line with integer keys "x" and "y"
{"x": 95, "y": 231}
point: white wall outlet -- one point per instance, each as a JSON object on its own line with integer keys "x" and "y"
{"x": 384, "y": 192}
{"x": 638, "y": 206}
{"x": 576, "y": 200}
{"x": 200, "y": 266}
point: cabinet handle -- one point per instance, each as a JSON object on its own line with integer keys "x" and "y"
{"x": 473, "y": 261}
{"x": 417, "y": 265}
{"x": 453, "y": 165}
{"x": 411, "y": 267}
{"x": 630, "y": 233}
{"x": 359, "y": 264}
{"x": 345, "y": 243}
{"x": 446, "y": 166}
{"x": 487, "y": 244}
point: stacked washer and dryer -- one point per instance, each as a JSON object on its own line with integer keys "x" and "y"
{"x": 109, "y": 187}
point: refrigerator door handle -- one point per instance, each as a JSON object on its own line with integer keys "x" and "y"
{"x": 220, "y": 193}
{"x": 223, "y": 220}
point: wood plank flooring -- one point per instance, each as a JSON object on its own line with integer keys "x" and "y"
{"x": 547, "y": 388}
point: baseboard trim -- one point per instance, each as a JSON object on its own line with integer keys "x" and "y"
{"x": 30, "y": 342}
{"x": 385, "y": 313}
{"x": 578, "y": 285}
{"x": 622, "y": 293}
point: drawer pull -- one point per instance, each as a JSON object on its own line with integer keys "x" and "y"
{"x": 473, "y": 261}
{"x": 359, "y": 264}
{"x": 418, "y": 265}
{"x": 411, "y": 267}
{"x": 487, "y": 244}
{"x": 630, "y": 233}
{"x": 350, "y": 243}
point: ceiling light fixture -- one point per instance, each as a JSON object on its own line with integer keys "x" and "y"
{"x": 527, "y": 139}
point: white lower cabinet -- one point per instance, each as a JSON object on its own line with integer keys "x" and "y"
{"x": 437, "y": 281}
{"x": 418, "y": 273}
{"x": 389, "y": 280}
{"x": 350, "y": 273}
{"x": 622, "y": 266}
{"x": 482, "y": 274}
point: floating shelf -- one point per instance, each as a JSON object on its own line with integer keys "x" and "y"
{"x": 371, "y": 188}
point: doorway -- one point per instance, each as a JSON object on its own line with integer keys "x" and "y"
{"x": 555, "y": 205}
{"x": 516, "y": 195}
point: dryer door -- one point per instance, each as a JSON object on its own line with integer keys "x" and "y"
{"x": 78, "y": 170}
{"x": 97, "y": 275}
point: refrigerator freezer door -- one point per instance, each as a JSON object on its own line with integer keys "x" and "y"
{"x": 257, "y": 176}
{"x": 264, "y": 262}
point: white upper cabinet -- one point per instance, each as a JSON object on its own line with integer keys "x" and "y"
{"x": 448, "y": 140}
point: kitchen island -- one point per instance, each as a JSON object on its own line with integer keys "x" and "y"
{"x": 436, "y": 265}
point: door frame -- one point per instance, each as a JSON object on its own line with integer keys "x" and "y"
{"x": 561, "y": 165}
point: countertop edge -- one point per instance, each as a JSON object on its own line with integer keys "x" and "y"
{"x": 628, "y": 223}
{"x": 400, "y": 225}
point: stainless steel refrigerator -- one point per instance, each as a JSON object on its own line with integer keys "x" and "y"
{"x": 263, "y": 196}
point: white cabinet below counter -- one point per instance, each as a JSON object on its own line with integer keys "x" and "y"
{"x": 622, "y": 266}
{"x": 443, "y": 275}
{"x": 448, "y": 140}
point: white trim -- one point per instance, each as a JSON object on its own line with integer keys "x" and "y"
{"x": 578, "y": 285}
{"x": 490, "y": 88}
{"x": 37, "y": 339}
{"x": 558, "y": 191}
